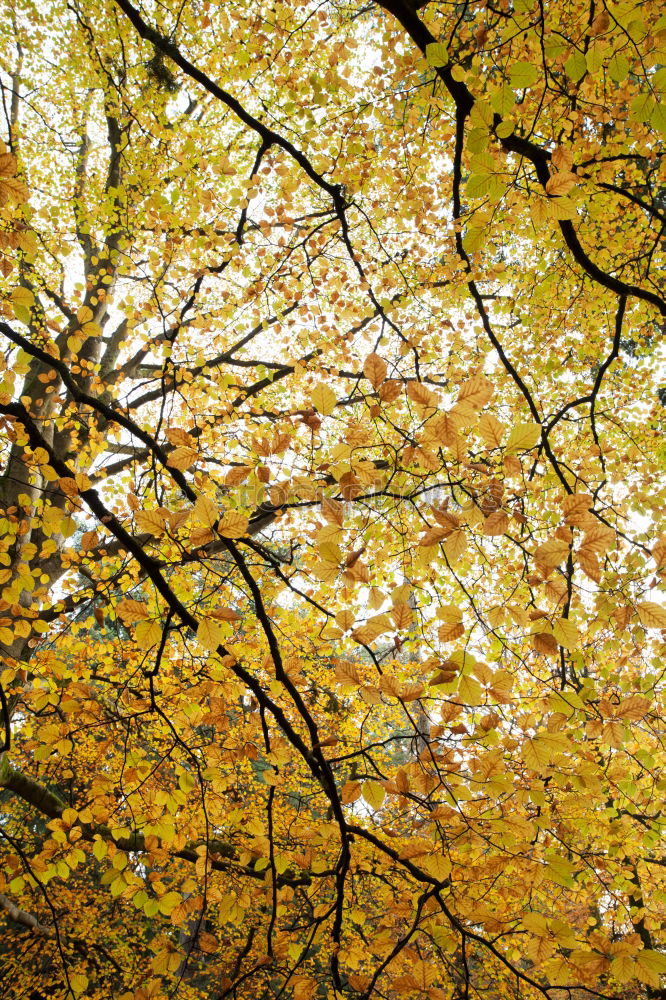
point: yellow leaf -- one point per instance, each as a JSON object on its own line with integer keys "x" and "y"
{"x": 325, "y": 571}
{"x": 566, "y": 633}
{"x": 539, "y": 949}
{"x": 576, "y": 509}
{"x": 78, "y": 982}
{"x": 345, "y": 619}
{"x": 589, "y": 563}
{"x": 437, "y": 54}
{"x": 373, "y": 628}
{"x": 653, "y": 960}
{"x": 437, "y": 865}
{"x": 206, "y": 511}
{"x": 552, "y": 553}
{"x": 212, "y": 634}
{"x": 148, "y": 634}
{"x": 373, "y": 793}
{"x": 323, "y": 399}
{"x": 559, "y": 870}
{"x": 539, "y": 210}
{"x": 613, "y": 733}
{"x": 455, "y": 546}
{"x": 651, "y": 614}
{"x": 535, "y": 923}
{"x": 470, "y": 691}
{"x": 623, "y": 968}
{"x": 450, "y": 631}
{"x": 27, "y": 241}
{"x": 424, "y": 973}
{"x": 99, "y": 849}
{"x": 450, "y": 613}
{"x": 598, "y": 539}
{"x": 23, "y": 297}
{"x": 233, "y": 525}
{"x": 169, "y": 902}
{"x": 523, "y": 437}
{"x": 536, "y": 753}
{"x": 330, "y": 552}
{"x": 150, "y": 520}
{"x": 421, "y": 395}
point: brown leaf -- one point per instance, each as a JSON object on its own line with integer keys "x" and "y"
{"x": 207, "y": 942}
{"x": 561, "y": 183}
{"x": 421, "y": 395}
{"x": 375, "y": 369}
{"x": 545, "y": 643}
{"x": 390, "y": 390}
{"x": 403, "y": 616}
{"x": 179, "y": 437}
{"x": 450, "y": 631}
{"x": 496, "y": 524}
{"x": 477, "y": 391}
{"x": 132, "y": 611}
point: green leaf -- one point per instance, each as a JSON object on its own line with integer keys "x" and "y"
{"x": 642, "y": 108}
{"x": 576, "y": 66}
{"x": 618, "y": 67}
{"x": 505, "y": 129}
{"x": 169, "y": 902}
{"x": 437, "y": 54}
{"x": 151, "y": 907}
{"x": 594, "y": 58}
{"x": 503, "y": 100}
{"x": 522, "y": 75}
{"x": 658, "y": 119}
{"x": 478, "y": 185}
{"x": 560, "y": 871}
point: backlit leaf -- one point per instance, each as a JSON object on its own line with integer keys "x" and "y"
{"x": 323, "y": 399}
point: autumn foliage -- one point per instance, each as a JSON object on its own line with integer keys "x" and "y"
{"x": 332, "y": 503}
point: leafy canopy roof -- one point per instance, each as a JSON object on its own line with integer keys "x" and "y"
{"x": 331, "y": 528}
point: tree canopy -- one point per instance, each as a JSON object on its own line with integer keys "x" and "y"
{"x": 332, "y": 503}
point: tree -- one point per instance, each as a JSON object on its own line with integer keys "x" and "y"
{"x": 332, "y": 530}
